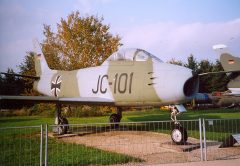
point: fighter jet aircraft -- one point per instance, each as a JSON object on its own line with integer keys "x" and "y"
{"x": 128, "y": 78}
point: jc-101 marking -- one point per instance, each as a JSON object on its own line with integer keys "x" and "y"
{"x": 120, "y": 81}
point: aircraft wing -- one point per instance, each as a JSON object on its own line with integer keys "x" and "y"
{"x": 64, "y": 100}
{"x": 220, "y": 72}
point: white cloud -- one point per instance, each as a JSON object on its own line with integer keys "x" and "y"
{"x": 89, "y": 6}
{"x": 19, "y": 24}
{"x": 84, "y": 5}
{"x": 171, "y": 40}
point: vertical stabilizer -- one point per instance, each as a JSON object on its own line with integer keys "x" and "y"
{"x": 228, "y": 61}
{"x": 41, "y": 65}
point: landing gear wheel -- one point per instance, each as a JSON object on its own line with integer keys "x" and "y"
{"x": 63, "y": 129}
{"x": 179, "y": 134}
{"x": 114, "y": 120}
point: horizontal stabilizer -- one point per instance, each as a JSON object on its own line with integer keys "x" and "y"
{"x": 20, "y": 75}
{"x": 219, "y": 72}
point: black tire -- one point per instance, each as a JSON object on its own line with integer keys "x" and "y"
{"x": 179, "y": 135}
{"x": 63, "y": 129}
{"x": 114, "y": 120}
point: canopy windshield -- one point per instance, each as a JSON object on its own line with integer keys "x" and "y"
{"x": 131, "y": 55}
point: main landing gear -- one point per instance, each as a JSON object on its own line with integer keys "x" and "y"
{"x": 61, "y": 121}
{"x": 115, "y": 119}
{"x": 179, "y": 133}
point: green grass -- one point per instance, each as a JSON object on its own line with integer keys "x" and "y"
{"x": 134, "y": 116}
{"x": 21, "y": 146}
{"x": 22, "y": 150}
{"x": 75, "y": 154}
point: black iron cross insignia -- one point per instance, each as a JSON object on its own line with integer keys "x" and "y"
{"x": 56, "y": 85}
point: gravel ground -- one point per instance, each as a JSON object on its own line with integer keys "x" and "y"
{"x": 152, "y": 147}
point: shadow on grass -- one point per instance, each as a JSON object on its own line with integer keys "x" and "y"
{"x": 13, "y": 120}
{"x": 168, "y": 118}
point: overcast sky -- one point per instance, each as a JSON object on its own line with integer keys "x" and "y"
{"x": 165, "y": 28}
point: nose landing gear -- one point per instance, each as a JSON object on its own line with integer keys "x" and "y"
{"x": 179, "y": 133}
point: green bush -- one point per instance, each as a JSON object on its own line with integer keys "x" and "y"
{"x": 87, "y": 111}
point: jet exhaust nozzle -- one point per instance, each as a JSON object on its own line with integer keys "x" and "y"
{"x": 191, "y": 86}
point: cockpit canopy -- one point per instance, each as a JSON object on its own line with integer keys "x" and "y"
{"x": 131, "y": 54}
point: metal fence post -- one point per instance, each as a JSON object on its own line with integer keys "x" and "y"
{"x": 200, "y": 133}
{"x": 204, "y": 141}
{"x": 46, "y": 145}
{"x": 41, "y": 146}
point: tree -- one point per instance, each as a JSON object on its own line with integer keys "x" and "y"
{"x": 205, "y": 82}
{"x": 208, "y": 83}
{"x": 27, "y": 67}
{"x": 176, "y": 62}
{"x": 79, "y": 42}
{"x": 219, "y": 81}
{"x": 192, "y": 63}
{"x": 11, "y": 85}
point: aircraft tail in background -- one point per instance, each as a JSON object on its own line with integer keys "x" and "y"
{"x": 232, "y": 64}
{"x": 228, "y": 61}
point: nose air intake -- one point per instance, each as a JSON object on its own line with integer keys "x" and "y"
{"x": 191, "y": 86}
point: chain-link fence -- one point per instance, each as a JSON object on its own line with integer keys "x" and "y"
{"x": 221, "y": 136}
{"x": 127, "y": 142}
{"x": 134, "y": 143}
{"x": 21, "y": 145}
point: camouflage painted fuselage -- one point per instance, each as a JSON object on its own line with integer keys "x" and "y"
{"x": 131, "y": 77}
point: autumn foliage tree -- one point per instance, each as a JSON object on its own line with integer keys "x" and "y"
{"x": 78, "y": 43}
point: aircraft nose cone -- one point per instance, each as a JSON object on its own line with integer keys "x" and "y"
{"x": 173, "y": 83}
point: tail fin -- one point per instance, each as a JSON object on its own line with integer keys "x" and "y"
{"x": 228, "y": 61}
{"x": 41, "y": 65}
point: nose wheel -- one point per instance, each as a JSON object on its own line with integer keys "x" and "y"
{"x": 179, "y": 134}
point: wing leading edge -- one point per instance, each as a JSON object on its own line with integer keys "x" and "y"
{"x": 46, "y": 99}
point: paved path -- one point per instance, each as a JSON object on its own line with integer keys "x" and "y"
{"x": 235, "y": 162}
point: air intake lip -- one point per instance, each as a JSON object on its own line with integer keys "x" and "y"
{"x": 191, "y": 86}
